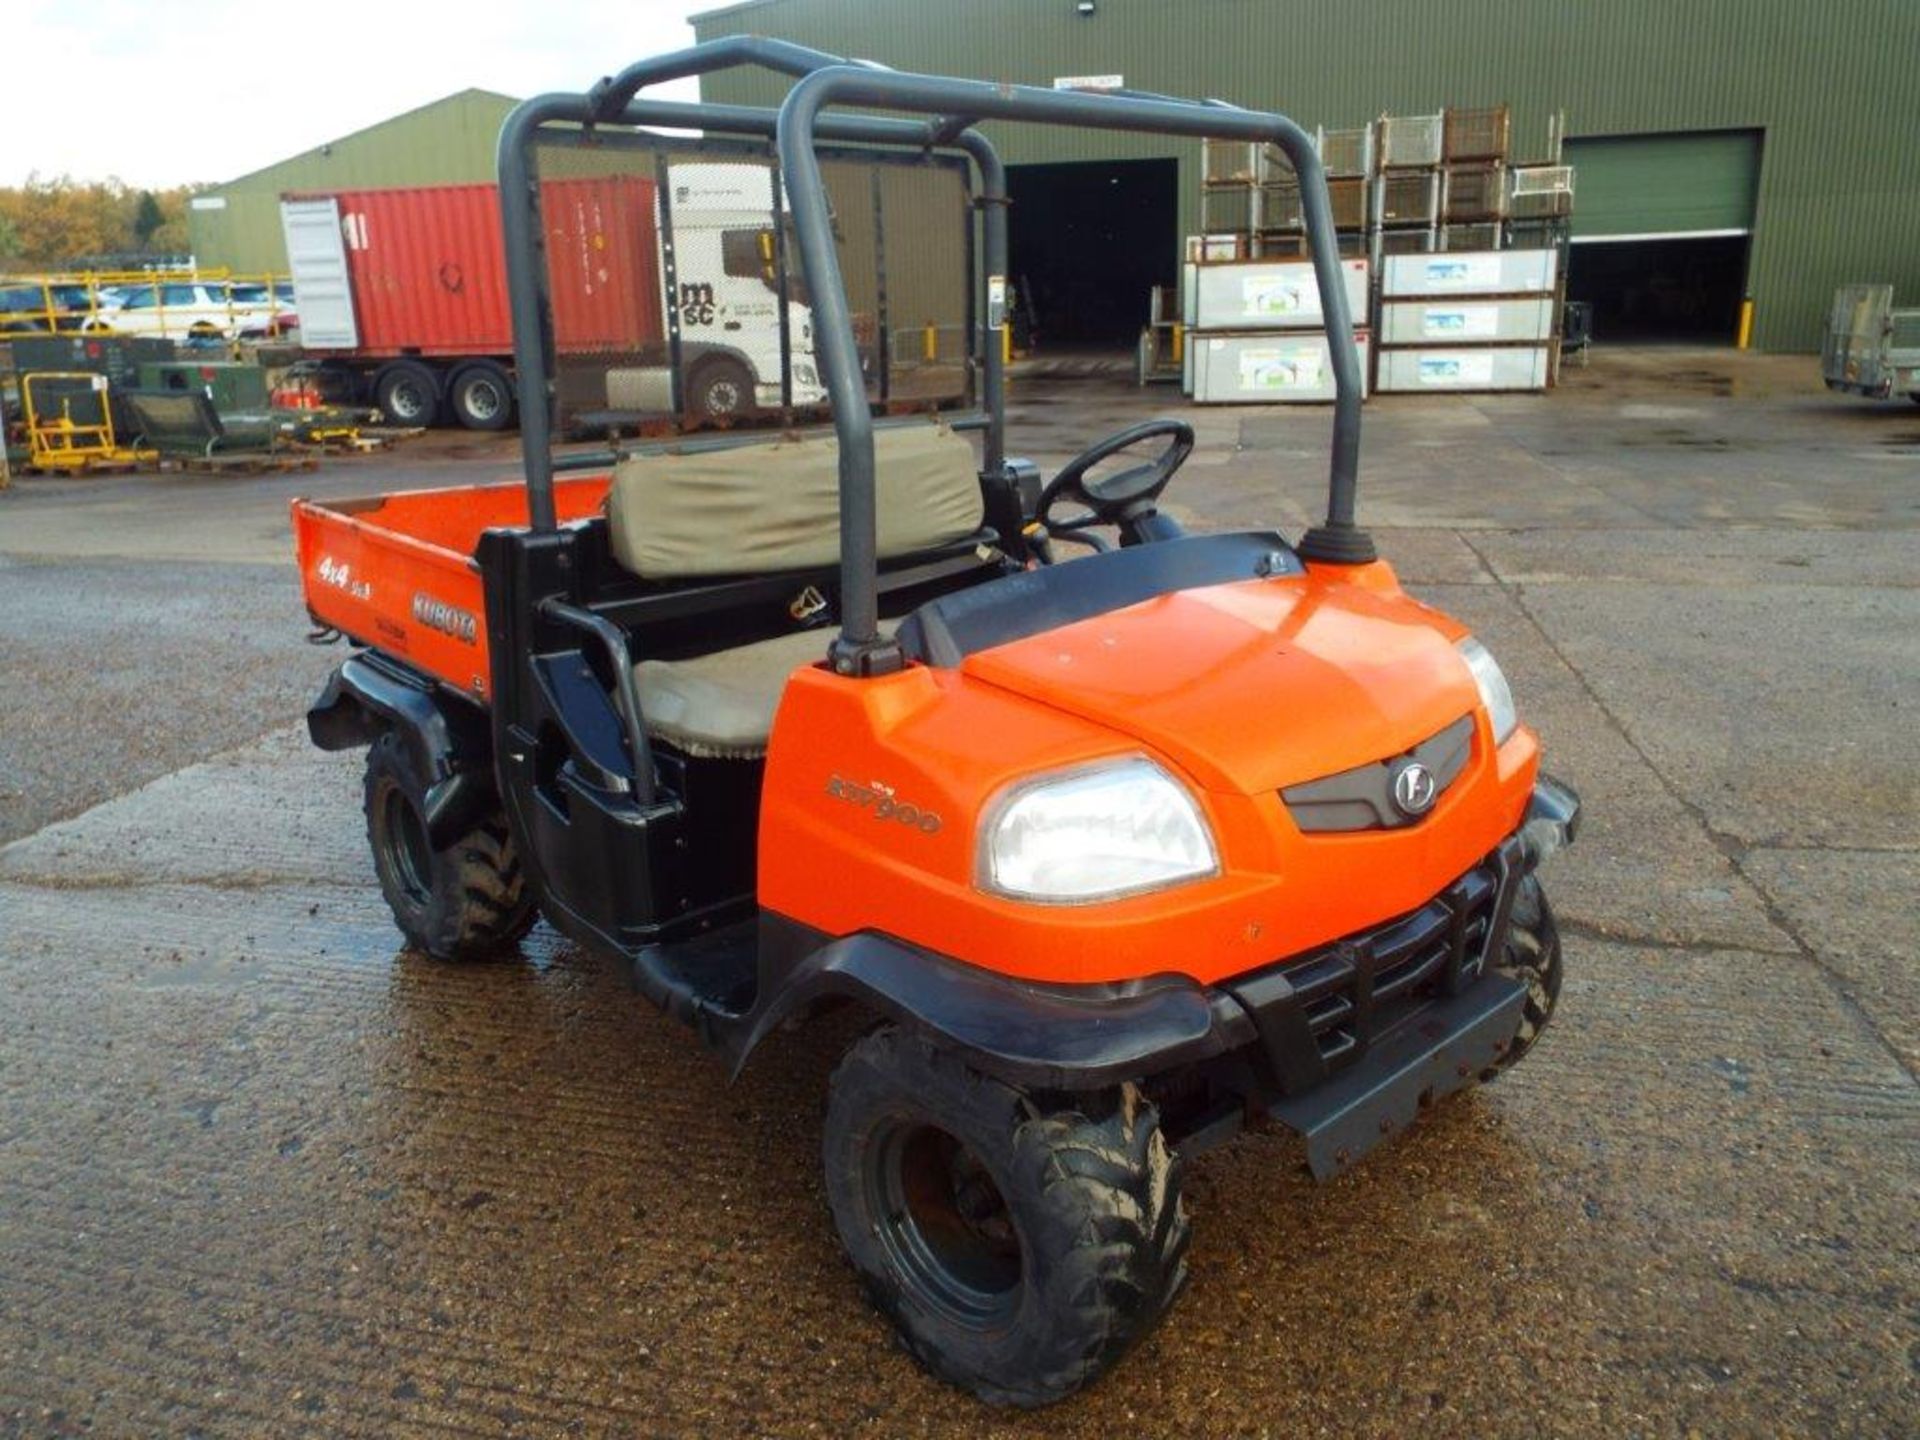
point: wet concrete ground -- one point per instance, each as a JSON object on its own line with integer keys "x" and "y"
{"x": 261, "y": 1174}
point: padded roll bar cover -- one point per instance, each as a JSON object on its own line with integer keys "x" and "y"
{"x": 762, "y": 509}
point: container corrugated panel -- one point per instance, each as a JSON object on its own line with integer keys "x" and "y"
{"x": 1464, "y": 368}
{"x": 1472, "y": 272}
{"x": 429, "y": 272}
{"x": 1270, "y": 295}
{"x": 1454, "y": 322}
{"x": 1266, "y": 368}
{"x": 603, "y": 264}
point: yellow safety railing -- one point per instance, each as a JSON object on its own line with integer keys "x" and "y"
{"x": 61, "y": 312}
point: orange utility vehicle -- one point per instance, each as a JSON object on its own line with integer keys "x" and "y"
{"x": 1118, "y": 854}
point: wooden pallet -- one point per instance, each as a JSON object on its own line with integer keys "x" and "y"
{"x": 263, "y": 463}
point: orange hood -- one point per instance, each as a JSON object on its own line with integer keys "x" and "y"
{"x": 1254, "y": 685}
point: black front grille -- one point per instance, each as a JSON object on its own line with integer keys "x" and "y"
{"x": 1319, "y": 1013}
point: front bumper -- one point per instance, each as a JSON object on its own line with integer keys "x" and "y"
{"x": 1343, "y": 1044}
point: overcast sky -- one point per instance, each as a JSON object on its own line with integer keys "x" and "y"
{"x": 162, "y": 92}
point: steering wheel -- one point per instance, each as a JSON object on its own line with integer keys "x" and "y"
{"x": 1115, "y": 499}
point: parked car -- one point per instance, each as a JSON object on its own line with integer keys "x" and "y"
{"x": 181, "y": 310}
{"x": 35, "y": 307}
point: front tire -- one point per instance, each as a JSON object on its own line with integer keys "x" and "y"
{"x": 469, "y": 898}
{"x": 1532, "y": 956}
{"x": 1019, "y": 1249}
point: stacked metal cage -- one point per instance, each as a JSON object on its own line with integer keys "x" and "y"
{"x": 1404, "y": 186}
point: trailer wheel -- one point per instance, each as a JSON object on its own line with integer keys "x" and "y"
{"x": 482, "y": 397}
{"x": 407, "y": 393}
{"x": 1532, "y": 956}
{"x": 1019, "y": 1249}
{"x": 467, "y": 899}
{"x": 720, "y": 389}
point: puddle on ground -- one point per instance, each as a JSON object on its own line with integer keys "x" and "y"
{"x": 1708, "y": 382}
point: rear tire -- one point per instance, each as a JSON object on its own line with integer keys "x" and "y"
{"x": 1532, "y": 956}
{"x": 407, "y": 394}
{"x": 720, "y": 389}
{"x": 465, "y": 900}
{"x": 482, "y": 397}
{"x": 1019, "y": 1250}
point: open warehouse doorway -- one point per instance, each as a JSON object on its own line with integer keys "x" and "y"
{"x": 1088, "y": 239}
{"x": 1662, "y": 229}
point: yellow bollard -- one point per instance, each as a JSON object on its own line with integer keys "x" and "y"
{"x": 1179, "y": 341}
{"x": 929, "y": 344}
{"x": 1746, "y": 324}
{"x": 1006, "y": 344}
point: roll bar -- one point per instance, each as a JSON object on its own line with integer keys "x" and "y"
{"x": 610, "y": 101}
{"x": 953, "y": 108}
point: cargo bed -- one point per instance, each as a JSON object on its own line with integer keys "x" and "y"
{"x": 396, "y": 571}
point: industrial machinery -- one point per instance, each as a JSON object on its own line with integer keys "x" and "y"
{"x": 1114, "y": 854}
{"x": 69, "y": 423}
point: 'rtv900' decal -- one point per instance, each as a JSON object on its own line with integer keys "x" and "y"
{"x": 879, "y": 802}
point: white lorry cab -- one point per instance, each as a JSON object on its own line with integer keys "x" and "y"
{"x": 720, "y": 259}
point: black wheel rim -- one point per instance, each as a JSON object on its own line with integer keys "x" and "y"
{"x": 408, "y": 855}
{"x": 944, "y": 1224}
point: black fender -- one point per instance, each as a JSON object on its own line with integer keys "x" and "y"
{"x": 1066, "y": 1037}
{"x": 449, "y": 739}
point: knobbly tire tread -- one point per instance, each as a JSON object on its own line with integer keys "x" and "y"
{"x": 1095, "y": 1196}
{"x": 1532, "y": 955}
{"x": 480, "y": 901}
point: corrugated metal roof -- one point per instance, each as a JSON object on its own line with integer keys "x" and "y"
{"x": 449, "y": 141}
{"x": 458, "y": 97}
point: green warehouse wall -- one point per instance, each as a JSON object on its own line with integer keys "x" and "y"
{"x": 450, "y": 141}
{"x": 1830, "y": 87}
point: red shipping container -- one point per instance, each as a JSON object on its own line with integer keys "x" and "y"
{"x": 428, "y": 270}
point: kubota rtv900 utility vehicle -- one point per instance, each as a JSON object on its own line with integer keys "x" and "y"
{"x": 1118, "y": 853}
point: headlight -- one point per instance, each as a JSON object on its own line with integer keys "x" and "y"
{"x": 1494, "y": 693}
{"x": 806, "y": 375}
{"x": 1094, "y": 834}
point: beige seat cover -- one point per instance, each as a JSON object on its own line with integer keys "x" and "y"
{"x": 762, "y": 509}
{"x": 759, "y": 509}
{"x": 721, "y": 705}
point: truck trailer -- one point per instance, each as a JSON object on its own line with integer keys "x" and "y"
{"x": 662, "y": 306}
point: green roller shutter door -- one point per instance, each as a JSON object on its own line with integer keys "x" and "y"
{"x": 1647, "y": 185}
